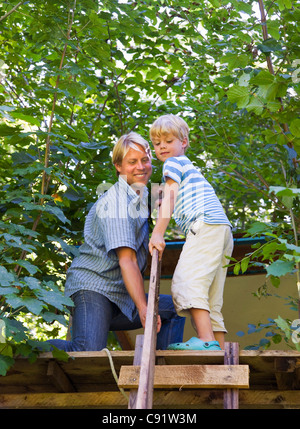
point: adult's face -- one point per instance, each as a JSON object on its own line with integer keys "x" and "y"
{"x": 136, "y": 166}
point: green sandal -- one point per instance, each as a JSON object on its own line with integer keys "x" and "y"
{"x": 195, "y": 344}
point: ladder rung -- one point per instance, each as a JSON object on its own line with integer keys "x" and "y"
{"x": 189, "y": 376}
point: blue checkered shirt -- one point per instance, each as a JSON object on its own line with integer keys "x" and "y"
{"x": 118, "y": 219}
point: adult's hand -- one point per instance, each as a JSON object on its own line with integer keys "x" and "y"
{"x": 134, "y": 282}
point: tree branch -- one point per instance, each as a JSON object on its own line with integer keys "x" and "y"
{"x": 268, "y": 57}
{"x": 45, "y": 182}
{"x": 11, "y": 11}
{"x": 46, "y": 177}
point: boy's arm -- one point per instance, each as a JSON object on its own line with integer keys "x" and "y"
{"x": 134, "y": 282}
{"x": 165, "y": 213}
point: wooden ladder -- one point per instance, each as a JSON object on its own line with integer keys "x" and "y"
{"x": 144, "y": 376}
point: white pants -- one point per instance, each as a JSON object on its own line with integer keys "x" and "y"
{"x": 199, "y": 277}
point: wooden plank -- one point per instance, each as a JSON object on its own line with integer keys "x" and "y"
{"x": 124, "y": 340}
{"x": 80, "y": 400}
{"x": 188, "y": 399}
{"x": 231, "y": 357}
{"x": 59, "y": 378}
{"x": 287, "y": 373}
{"x": 90, "y": 371}
{"x": 136, "y": 361}
{"x": 145, "y": 388}
{"x": 187, "y": 376}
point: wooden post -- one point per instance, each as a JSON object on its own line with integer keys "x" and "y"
{"x": 144, "y": 398}
{"x": 231, "y": 357}
{"x": 136, "y": 362}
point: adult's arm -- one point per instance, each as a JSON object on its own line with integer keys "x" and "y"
{"x": 134, "y": 282}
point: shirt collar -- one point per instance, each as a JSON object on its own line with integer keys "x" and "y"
{"x": 132, "y": 193}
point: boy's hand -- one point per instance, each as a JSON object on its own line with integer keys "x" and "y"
{"x": 157, "y": 241}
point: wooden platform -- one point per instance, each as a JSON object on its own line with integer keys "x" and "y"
{"x": 86, "y": 381}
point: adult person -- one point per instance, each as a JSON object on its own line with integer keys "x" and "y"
{"x": 105, "y": 281}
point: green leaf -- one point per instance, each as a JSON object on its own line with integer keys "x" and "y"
{"x": 6, "y": 349}
{"x": 270, "y": 45}
{"x": 57, "y": 212}
{"x": 276, "y": 339}
{"x": 244, "y": 79}
{"x": 7, "y": 290}
{"x": 239, "y": 95}
{"x": 295, "y": 127}
{"x": 236, "y": 269}
{"x": 244, "y": 7}
{"x": 255, "y": 105}
{"x": 259, "y": 228}
{"x": 288, "y": 201}
{"x": 32, "y": 304}
{"x": 281, "y": 191}
{"x": 5, "y": 130}
{"x": 275, "y": 281}
{"x": 22, "y": 158}
{"x": 15, "y": 329}
{"x": 271, "y": 91}
{"x": 273, "y": 106}
{"x": 283, "y": 4}
{"x": 6, "y": 278}
{"x": 280, "y": 268}
{"x": 32, "y": 283}
{"x": 54, "y": 298}
{"x": 27, "y": 118}
{"x": 287, "y": 194}
{"x": 32, "y": 269}
{"x": 51, "y": 317}
{"x": 60, "y": 354}
{"x": 289, "y": 257}
{"x": 235, "y": 61}
{"x": 289, "y": 245}
{"x": 273, "y": 28}
{"x": 283, "y": 325}
{"x": 244, "y": 264}
{"x": 69, "y": 250}
{"x": 264, "y": 77}
{"x": 225, "y": 80}
{"x": 5, "y": 363}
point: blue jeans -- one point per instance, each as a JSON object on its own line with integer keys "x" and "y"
{"x": 94, "y": 316}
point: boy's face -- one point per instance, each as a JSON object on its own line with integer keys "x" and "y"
{"x": 168, "y": 145}
{"x": 136, "y": 166}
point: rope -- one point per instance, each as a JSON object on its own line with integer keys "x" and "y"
{"x": 114, "y": 373}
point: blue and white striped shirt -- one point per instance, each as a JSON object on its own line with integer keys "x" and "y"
{"x": 196, "y": 198}
{"x": 118, "y": 219}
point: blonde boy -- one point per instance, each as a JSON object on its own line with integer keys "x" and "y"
{"x": 199, "y": 277}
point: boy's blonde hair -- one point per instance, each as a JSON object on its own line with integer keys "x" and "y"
{"x": 170, "y": 124}
{"x": 126, "y": 142}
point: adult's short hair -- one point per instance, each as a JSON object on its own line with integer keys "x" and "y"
{"x": 127, "y": 141}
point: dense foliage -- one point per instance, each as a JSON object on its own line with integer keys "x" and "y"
{"x": 75, "y": 75}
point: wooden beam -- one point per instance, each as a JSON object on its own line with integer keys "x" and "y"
{"x": 162, "y": 399}
{"x": 124, "y": 340}
{"x": 187, "y": 376}
{"x": 287, "y": 373}
{"x": 145, "y": 388}
{"x": 136, "y": 361}
{"x": 59, "y": 378}
{"x": 231, "y": 357}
